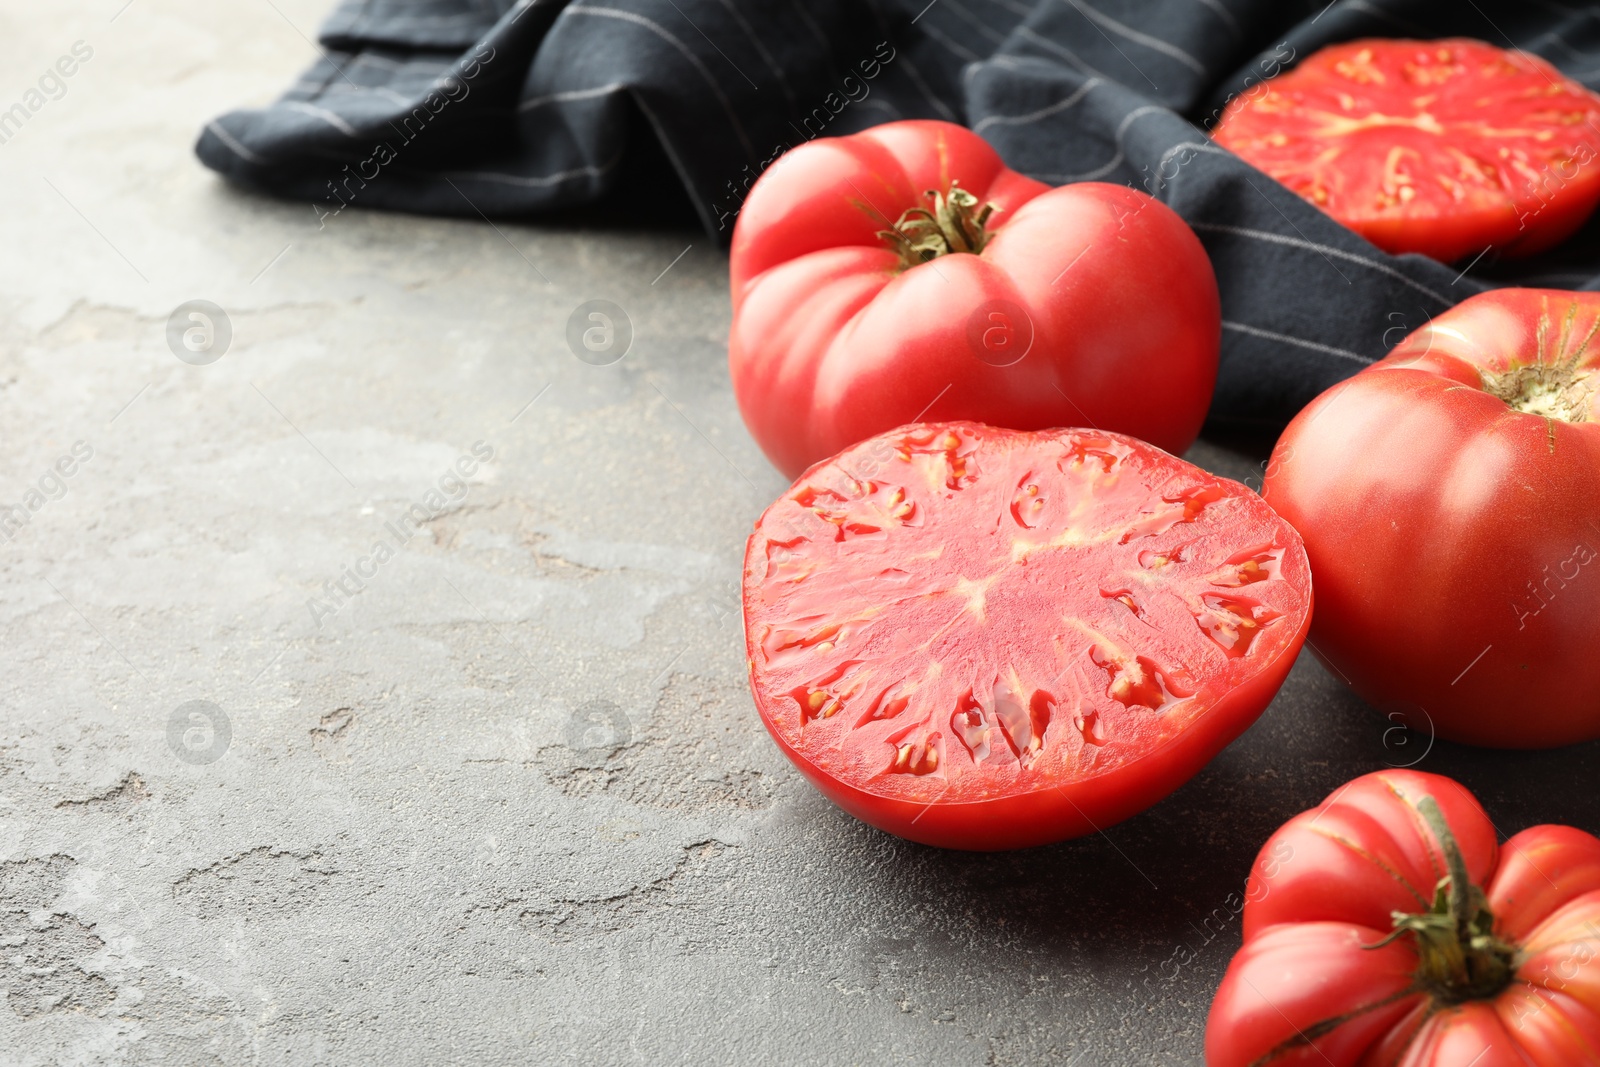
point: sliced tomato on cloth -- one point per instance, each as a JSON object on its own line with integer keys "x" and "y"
{"x": 904, "y": 272}
{"x": 1385, "y": 928}
{"x": 1445, "y": 147}
{"x": 985, "y": 639}
{"x": 1449, "y": 497}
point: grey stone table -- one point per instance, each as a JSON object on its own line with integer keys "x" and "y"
{"x": 495, "y": 791}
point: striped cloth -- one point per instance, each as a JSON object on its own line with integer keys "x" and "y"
{"x": 494, "y": 108}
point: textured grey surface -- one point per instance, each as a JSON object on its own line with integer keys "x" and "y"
{"x": 429, "y": 839}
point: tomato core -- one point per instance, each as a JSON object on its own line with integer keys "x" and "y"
{"x": 956, "y": 224}
{"x": 1459, "y": 956}
{"x": 1553, "y": 391}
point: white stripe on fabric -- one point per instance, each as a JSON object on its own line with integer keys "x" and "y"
{"x": 570, "y": 94}
{"x": 662, "y": 32}
{"x": 324, "y": 114}
{"x": 761, "y": 49}
{"x": 893, "y": 111}
{"x": 1327, "y": 250}
{"x": 701, "y": 208}
{"x": 799, "y": 8}
{"x": 1198, "y": 146}
{"x": 367, "y": 59}
{"x": 1555, "y": 39}
{"x": 1283, "y": 338}
{"x": 977, "y": 23}
{"x": 1044, "y": 112}
{"x": 592, "y": 171}
{"x": 341, "y": 89}
{"x": 1549, "y": 5}
{"x": 1155, "y": 44}
{"x": 234, "y": 146}
{"x": 1008, "y": 62}
{"x": 965, "y": 54}
{"x": 1224, "y": 14}
{"x": 903, "y": 60}
{"x": 1393, "y": 20}
{"x": 1060, "y": 50}
{"x": 389, "y": 22}
{"x": 1551, "y": 37}
{"x": 1116, "y": 160}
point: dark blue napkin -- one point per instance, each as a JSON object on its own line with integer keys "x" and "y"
{"x": 484, "y": 107}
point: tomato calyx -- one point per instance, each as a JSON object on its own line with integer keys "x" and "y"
{"x": 1557, "y": 390}
{"x": 1553, "y": 385}
{"x": 1552, "y": 392}
{"x": 1459, "y": 956}
{"x": 956, "y": 224}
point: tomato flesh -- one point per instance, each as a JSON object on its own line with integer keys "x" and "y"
{"x": 988, "y": 638}
{"x": 1446, "y": 147}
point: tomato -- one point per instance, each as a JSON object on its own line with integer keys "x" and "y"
{"x": 1449, "y": 496}
{"x": 985, "y": 639}
{"x": 1387, "y": 929}
{"x": 1443, "y": 147}
{"x": 904, "y": 272}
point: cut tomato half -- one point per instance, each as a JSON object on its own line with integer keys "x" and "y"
{"x": 985, "y": 639}
{"x": 1447, "y": 148}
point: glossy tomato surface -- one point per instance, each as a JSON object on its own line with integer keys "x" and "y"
{"x": 1445, "y": 147}
{"x": 1315, "y": 982}
{"x": 1449, "y": 497}
{"x": 1088, "y": 304}
{"x": 985, "y": 639}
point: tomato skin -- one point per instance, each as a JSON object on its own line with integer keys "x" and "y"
{"x": 1290, "y": 880}
{"x": 1455, "y": 539}
{"x": 1312, "y": 909}
{"x": 832, "y": 342}
{"x": 898, "y": 599}
{"x": 1075, "y": 809}
{"x": 1299, "y": 972}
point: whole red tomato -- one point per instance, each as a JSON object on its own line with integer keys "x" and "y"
{"x": 904, "y": 273}
{"x": 1449, "y": 497}
{"x": 984, "y": 638}
{"x": 1386, "y": 929}
{"x": 1441, "y": 147}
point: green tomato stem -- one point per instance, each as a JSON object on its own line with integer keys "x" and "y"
{"x": 956, "y": 224}
{"x": 1459, "y": 956}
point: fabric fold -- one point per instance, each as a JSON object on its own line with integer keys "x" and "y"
{"x": 494, "y": 108}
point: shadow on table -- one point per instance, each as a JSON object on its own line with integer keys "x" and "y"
{"x": 1154, "y": 901}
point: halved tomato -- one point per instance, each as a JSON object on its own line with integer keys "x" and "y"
{"x": 984, "y": 639}
{"x": 1443, "y": 147}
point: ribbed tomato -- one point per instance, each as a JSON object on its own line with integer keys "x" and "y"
{"x": 904, "y": 272}
{"x": 1385, "y": 928}
{"x": 1449, "y": 497}
{"x": 1443, "y": 147}
{"x": 985, "y": 638}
